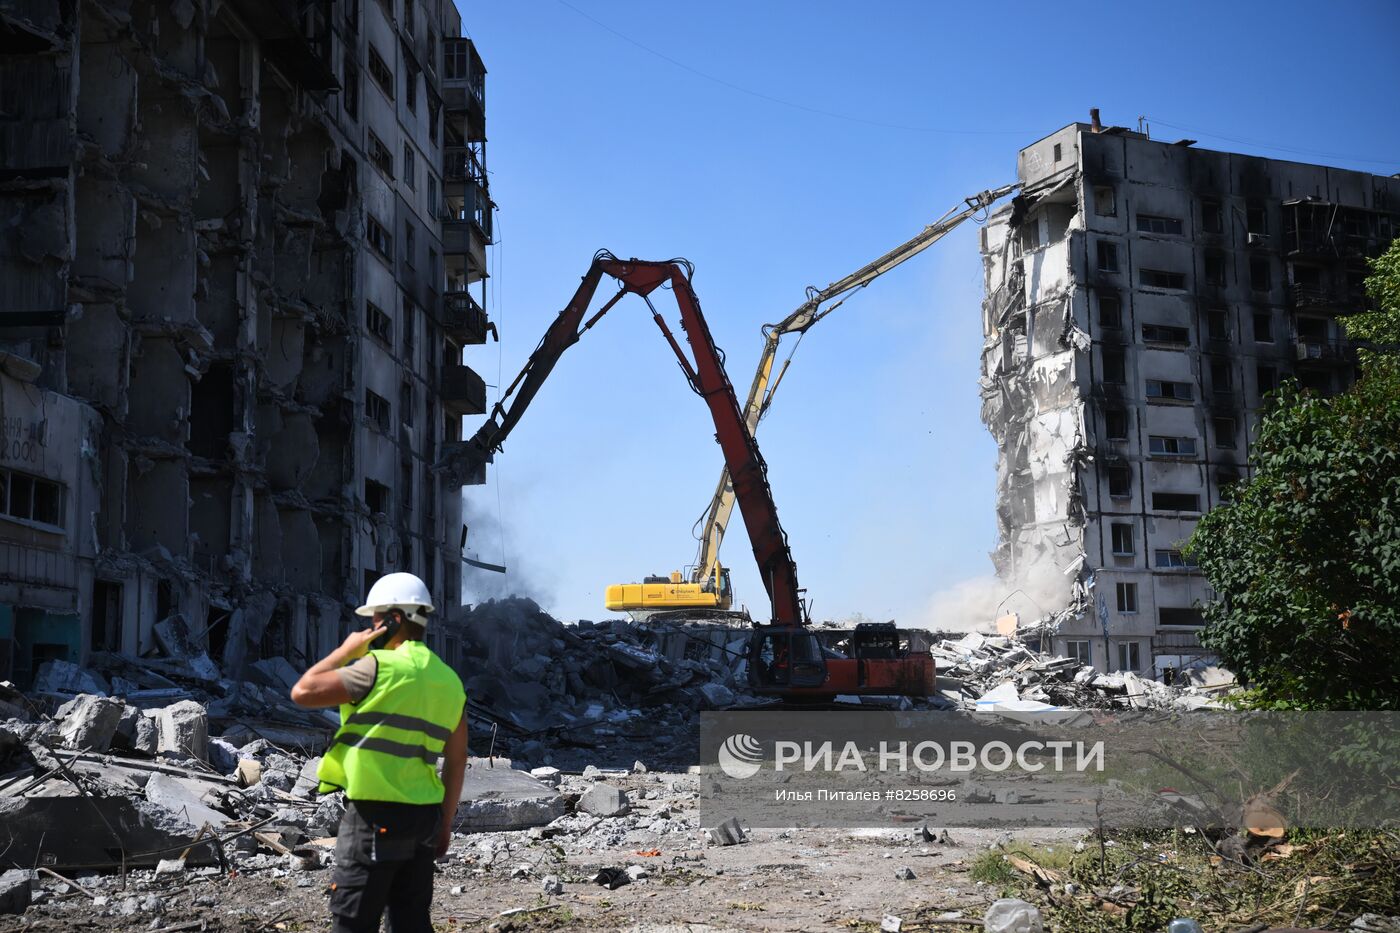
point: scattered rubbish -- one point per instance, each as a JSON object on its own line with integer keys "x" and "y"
{"x": 170, "y": 866}
{"x": 904, "y": 873}
{"x": 551, "y": 885}
{"x": 891, "y": 924}
{"x": 1184, "y": 925}
{"x": 1012, "y": 915}
{"x": 612, "y": 878}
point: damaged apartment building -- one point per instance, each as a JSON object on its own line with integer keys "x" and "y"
{"x": 242, "y": 252}
{"x": 1142, "y": 300}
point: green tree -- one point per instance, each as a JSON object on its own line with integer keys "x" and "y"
{"x": 1305, "y": 559}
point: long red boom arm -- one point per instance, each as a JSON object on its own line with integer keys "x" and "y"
{"x": 707, "y": 377}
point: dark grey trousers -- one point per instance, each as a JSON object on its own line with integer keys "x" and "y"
{"x": 384, "y": 858}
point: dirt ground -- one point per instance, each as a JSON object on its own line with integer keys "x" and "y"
{"x": 796, "y": 879}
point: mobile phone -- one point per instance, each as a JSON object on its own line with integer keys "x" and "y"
{"x": 391, "y": 628}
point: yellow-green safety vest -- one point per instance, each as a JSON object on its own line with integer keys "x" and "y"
{"x": 389, "y": 743}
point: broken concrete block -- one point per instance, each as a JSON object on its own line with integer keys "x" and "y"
{"x": 183, "y": 730}
{"x": 170, "y": 866}
{"x": 307, "y": 782}
{"x": 65, "y": 677}
{"x": 728, "y": 833}
{"x": 591, "y": 773}
{"x": 326, "y": 818}
{"x": 604, "y": 800}
{"x": 223, "y": 755}
{"x": 638, "y": 768}
{"x": 500, "y": 798}
{"x": 89, "y": 722}
{"x": 147, "y": 737}
{"x": 904, "y": 874}
{"x": 125, "y": 734}
{"x": 15, "y": 891}
{"x": 716, "y": 695}
{"x": 550, "y": 776}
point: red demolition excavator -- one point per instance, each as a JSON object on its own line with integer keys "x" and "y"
{"x": 785, "y": 658}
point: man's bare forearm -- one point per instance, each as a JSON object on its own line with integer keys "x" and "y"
{"x": 454, "y": 767}
{"x": 334, "y": 661}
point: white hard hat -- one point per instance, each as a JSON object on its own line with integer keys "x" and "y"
{"x": 399, "y": 591}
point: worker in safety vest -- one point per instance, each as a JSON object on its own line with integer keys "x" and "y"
{"x": 401, "y": 708}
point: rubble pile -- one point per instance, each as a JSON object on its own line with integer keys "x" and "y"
{"x": 101, "y": 785}
{"x": 996, "y": 673}
{"x": 545, "y": 687}
{"x": 258, "y": 706}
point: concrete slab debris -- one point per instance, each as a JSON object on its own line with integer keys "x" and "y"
{"x": 64, "y": 677}
{"x": 184, "y": 800}
{"x": 1000, "y": 674}
{"x": 276, "y": 673}
{"x": 497, "y": 797}
{"x": 75, "y": 835}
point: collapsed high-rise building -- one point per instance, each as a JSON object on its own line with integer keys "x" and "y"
{"x": 242, "y": 251}
{"x": 1142, "y": 299}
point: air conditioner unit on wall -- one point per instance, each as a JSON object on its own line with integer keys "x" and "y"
{"x": 1258, "y": 239}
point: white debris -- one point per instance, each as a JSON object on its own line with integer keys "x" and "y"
{"x": 1012, "y": 915}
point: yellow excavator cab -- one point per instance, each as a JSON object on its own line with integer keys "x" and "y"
{"x": 663, "y": 594}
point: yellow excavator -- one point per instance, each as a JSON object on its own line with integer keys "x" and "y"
{"x": 707, "y": 591}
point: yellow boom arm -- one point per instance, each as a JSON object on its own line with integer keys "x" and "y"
{"x": 716, "y": 520}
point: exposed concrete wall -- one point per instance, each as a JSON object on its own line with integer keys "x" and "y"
{"x": 192, "y": 266}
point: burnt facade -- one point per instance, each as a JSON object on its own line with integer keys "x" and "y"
{"x": 242, "y": 262}
{"x": 1142, "y": 300}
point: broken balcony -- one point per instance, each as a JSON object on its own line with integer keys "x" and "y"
{"x": 1314, "y": 298}
{"x": 1321, "y": 350}
{"x": 464, "y": 84}
{"x": 467, "y": 189}
{"x": 463, "y": 319}
{"x": 463, "y": 391}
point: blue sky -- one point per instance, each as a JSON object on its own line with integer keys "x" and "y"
{"x": 814, "y": 137}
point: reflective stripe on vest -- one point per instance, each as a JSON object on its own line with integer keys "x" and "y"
{"x": 389, "y": 743}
